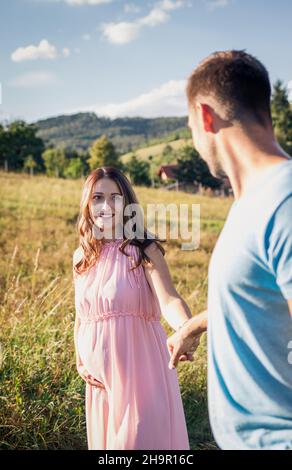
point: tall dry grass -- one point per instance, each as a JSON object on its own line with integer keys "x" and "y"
{"x": 41, "y": 394}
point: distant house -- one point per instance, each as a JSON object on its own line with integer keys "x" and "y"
{"x": 167, "y": 173}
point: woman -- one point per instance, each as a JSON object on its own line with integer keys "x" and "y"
{"x": 122, "y": 286}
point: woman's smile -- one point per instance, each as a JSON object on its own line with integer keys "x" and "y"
{"x": 106, "y": 216}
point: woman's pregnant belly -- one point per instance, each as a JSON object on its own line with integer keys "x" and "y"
{"x": 124, "y": 352}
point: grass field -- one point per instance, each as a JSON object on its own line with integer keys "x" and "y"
{"x": 157, "y": 152}
{"x": 41, "y": 394}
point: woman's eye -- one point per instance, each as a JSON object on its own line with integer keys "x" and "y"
{"x": 96, "y": 197}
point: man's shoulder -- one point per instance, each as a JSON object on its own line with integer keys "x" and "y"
{"x": 284, "y": 170}
{"x": 283, "y": 213}
{"x": 281, "y": 191}
{"x": 275, "y": 191}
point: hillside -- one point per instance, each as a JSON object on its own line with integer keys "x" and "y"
{"x": 78, "y": 131}
{"x": 157, "y": 151}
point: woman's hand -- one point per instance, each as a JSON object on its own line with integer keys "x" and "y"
{"x": 88, "y": 377}
{"x": 189, "y": 355}
{"x": 187, "y": 338}
{"x": 181, "y": 348}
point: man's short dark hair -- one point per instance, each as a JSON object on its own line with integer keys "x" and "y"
{"x": 238, "y": 81}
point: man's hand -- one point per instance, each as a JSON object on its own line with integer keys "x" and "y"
{"x": 184, "y": 342}
{"x": 181, "y": 348}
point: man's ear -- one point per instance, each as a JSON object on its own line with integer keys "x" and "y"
{"x": 207, "y": 117}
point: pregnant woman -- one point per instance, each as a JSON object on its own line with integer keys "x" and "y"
{"x": 122, "y": 285}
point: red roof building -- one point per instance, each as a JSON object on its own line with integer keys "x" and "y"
{"x": 167, "y": 172}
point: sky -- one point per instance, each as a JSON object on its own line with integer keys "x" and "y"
{"x": 127, "y": 57}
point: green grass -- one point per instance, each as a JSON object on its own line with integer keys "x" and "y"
{"x": 41, "y": 394}
{"x": 156, "y": 151}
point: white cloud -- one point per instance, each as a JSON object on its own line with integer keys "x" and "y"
{"x": 34, "y": 79}
{"x": 131, "y": 8}
{"x": 213, "y": 4}
{"x": 86, "y": 37}
{"x": 166, "y": 100}
{"x": 87, "y": 2}
{"x": 76, "y": 2}
{"x": 121, "y": 33}
{"x": 66, "y": 51}
{"x": 172, "y": 5}
{"x": 44, "y": 50}
{"x": 155, "y": 17}
{"x": 124, "y": 32}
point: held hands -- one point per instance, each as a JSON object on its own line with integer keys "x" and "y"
{"x": 88, "y": 377}
{"x": 181, "y": 348}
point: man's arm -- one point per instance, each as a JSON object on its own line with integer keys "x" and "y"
{"x": 279, "y": 251}
{"x": 186, "y": 338}
{"x": 196, "y": 325}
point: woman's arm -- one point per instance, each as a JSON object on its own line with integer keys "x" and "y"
{"x": 173, "y": 308}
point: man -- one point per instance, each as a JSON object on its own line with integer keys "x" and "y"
{"x": 250, "y": 273}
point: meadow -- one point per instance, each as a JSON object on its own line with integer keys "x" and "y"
{"x": 156, "y": 151}
{"x": 41, "y": 394}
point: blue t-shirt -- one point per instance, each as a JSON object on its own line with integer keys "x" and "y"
{"x": 249, "y": 324}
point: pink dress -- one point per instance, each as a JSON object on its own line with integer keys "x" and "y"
{"x": 122, "y": 343}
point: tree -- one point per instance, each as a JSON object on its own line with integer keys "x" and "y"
{"x": 102, "y": 153}
{"x": 192, "y": 168}
{"x": 139, "y": 171}
{"x": 55, "y": 162}
{"x": 151, "y": 175}
{"x": 30, "y": 164}
{"x": 282, "y": 116}
{"x": 75, "y": 168}
{"x": 168, "y": 150}
{"x": 4, "y": 149}
{"x": 168, "y": 155}
{"x": 84, "y": 156}
{"x": 17, "y": 141}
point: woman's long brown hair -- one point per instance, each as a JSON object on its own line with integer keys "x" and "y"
{"x": 91, "y": 246}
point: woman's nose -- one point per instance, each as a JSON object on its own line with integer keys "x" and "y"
{"x": 106, "y": 206}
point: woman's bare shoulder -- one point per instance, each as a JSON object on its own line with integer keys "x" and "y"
{"x": 153, "y": 251}
{"x": 152, "y": 247}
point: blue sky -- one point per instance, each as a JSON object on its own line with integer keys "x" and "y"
{"x": 127, "y": 57}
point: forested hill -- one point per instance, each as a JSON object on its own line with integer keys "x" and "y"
{"x": 78, "y": 131}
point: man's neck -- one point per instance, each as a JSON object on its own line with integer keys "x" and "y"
{"x": 243, "y": 160}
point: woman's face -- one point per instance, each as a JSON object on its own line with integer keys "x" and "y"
{"x": 106, "y": 206}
